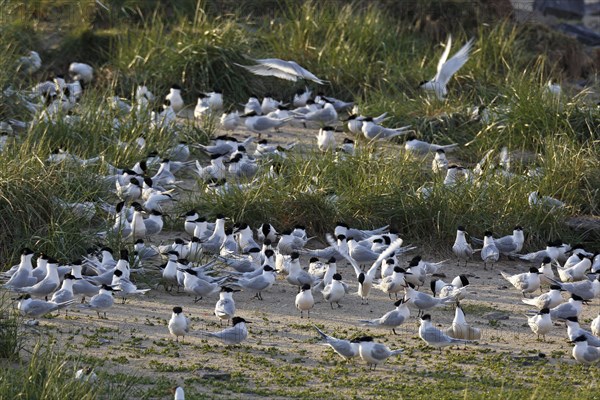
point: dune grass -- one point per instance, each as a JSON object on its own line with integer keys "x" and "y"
{"x": 373, "y": 53}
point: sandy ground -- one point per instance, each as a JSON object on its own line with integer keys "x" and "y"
{"x": 282, "y": 347}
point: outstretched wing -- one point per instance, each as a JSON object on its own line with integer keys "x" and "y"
{"x": 454, "y": 64}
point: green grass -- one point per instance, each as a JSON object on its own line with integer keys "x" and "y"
{"x": 365, "y": 54}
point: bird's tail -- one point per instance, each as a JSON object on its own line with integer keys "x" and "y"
{"x": 505, "y": 275}
{"x": 367, "y": 322}
{"x": 450, "y": 146}
{"x": 323, "y": 334}
{"x": 65, "y": 304}
{"x": 531, "y": 302}
{"x": 396, "y": 352}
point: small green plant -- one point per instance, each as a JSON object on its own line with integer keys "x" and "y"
{"x": 11, "y": 337}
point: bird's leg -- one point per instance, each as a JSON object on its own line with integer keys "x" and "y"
{"x": 308, "y": 312}
{"x": 331, "y": 304}
{"x": 196, "y": 299}
{"x": 339, "y": 305}
{"x": 394, "y": 331}
{"x": 83, "y": 298}
{"x": 98, "y": 312}
{"x": 301, "y": 314}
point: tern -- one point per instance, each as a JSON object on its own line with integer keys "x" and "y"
{"x": 446, "y": 68}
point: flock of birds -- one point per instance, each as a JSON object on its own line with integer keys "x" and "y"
{"x": 220, "y": 259}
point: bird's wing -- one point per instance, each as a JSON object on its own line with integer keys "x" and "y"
{"x": 268, "y": 70}
{"x": 380, "y": 352}
{"x": 591, "y": 354}
{"x": 445, "y": 55}
{"x": 333, "y": 244}
{"x": 306, "y": 74}
{"x": 40, "y": 308}
{"x": 454, "y": 64}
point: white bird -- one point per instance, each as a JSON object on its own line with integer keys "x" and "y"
{"x": 81, "y": 72}
{"x": 374, "y": 353}
{"x": 395, "y": 282}
{"x": 446, "y": 68}
{"x": 553, "y": 251}
{"x": 574, "y": 330}
{"x": 36, "y": 308}
{"x": 326, "y": 139}
{"x": 22, "y": 274}
{"x": 31, "y": 63}
{"x": 200, "y": 286}
{"x": 179, "y": 393}
{"x": 550, "y": 299}
{"x": 420, "y": 147}
{"x": 326, "y": 115}
{"x": 86, "y": 375}
{"x": 435, "y": 337}
{"x": 439, "y": 165}
{"x": 553, "y": 89}
{"x": 595, "y": 326}
{"x": 259, "y": 123}
{"x": 304, "y": 300}
{"x": 266, "y": 231}
{"x": 541, "y": 323}
{"x": 175, "y": 99}
{"x": 102, "y": 301}
{"x": 230, "y": 121}
{"x": 49, "y": 284}
{"x": 301, "y": 97}
{"x": 527, "y": 282}
{"x": 259, "y": 283}
{"x": 346, "y": 348}
{"x": 508, "y": 245}
{"x": 334, "y": 291}
{"x": 215, "y": 171}
{"x": 338, "y": 105}
{"x": 461, "y": 248}
{"x": 215, "y": 100}
{"x": 65, "y": 293}
{"x": 202, "y": 108}
{"x": 225, "y": 307}
{"x": 424, "y": 301}
{"x": 179, "y": 324}
{"x": 125, "y": 286}
{"x": 391, "y": 319}
{"x": 584, "y": 353}
{"x": 456, "y": 289}
{"x": 373, "y": 131}
{"x": 586, "y": 289}
{"x": 461, "y": 329}
{"x": 489, "y": 252}
{"x": 572, "y": 308}
{"x": 576, "y": 272}
{"x": 550, "y": 203}
{"x": 233, "y": 335}
{"x": 269, "y": 104}
{"x": 240, "y": 167}
{"x": 288, "y": 70}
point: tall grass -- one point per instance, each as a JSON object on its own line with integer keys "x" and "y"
{"x": 373, "y": 53}
{"x": 46, "y": 374}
